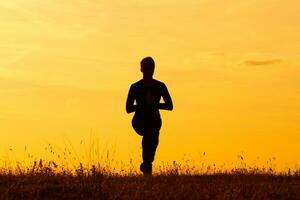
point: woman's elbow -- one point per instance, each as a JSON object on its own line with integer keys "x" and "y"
{"x": 170, "y": 107}
{"x": 130, "y": 109}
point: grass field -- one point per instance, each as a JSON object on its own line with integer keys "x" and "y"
{"x": 46, "y": 182}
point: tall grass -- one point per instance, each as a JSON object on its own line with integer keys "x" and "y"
{"x": 47, "y": 180}
{"x": 70, "y": 176}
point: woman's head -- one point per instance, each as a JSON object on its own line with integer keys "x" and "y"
{"x": 147, "y": 67}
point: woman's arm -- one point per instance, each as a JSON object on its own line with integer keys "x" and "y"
{"x": 168, "y": 105}
{"x": 130, "y": 107}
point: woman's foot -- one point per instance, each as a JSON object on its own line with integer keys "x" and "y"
{"x": 146, "y": 168}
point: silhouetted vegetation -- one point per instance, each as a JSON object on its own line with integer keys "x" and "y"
{"x": 46, "y": 180}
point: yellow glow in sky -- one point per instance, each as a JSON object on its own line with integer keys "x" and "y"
{"x": 232, "y": 68}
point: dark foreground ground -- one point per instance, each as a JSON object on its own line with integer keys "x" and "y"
{"x": 98, "y": 186}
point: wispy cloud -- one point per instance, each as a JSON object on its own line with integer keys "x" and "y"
{"x": 262, "y": 62}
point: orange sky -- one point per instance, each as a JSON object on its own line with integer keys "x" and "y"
{"x": 232, "y": 68}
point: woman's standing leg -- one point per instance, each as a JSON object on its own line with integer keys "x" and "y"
{"x": 149, "y": 144}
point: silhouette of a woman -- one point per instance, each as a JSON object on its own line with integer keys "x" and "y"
{"x": 146, "y": 121}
